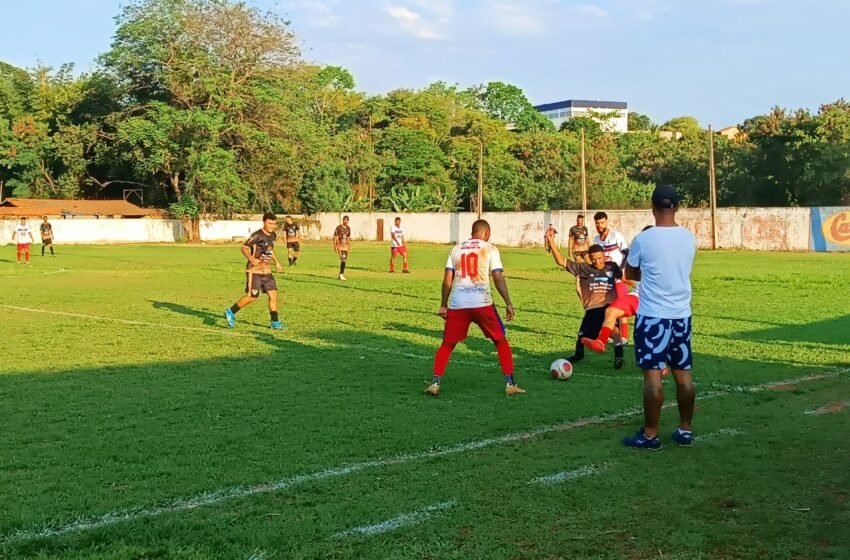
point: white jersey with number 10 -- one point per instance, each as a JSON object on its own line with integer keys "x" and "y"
{"x": 472, "y": 262}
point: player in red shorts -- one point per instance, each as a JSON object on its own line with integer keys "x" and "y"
{"x": 467, "y": 299}
{"x": 20, "y": 235}
{"x": 398, "y": 246}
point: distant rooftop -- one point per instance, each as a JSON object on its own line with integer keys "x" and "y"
{"x": 582, "y": 104}
{"x": 57, "y": 207}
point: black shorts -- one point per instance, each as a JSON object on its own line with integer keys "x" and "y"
{"x": 343, "y": 256}
{"x": 46, "y": 241}
{"x": 294, "y": 245}
{"x": 260, "y": 283}
{"x": 579, "y": 255}
{"x": 591, "y": 324}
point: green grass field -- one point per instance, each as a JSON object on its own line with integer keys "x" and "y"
{"x": 136, "y": 426}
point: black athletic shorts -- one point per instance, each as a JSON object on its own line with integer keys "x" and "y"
{"x": 46, "y": 241}
{"x": 579, "y": 256}
{"x": 260, "y": 283}
{"x": 343, "y": 256}
{"x": 294, "y": 245}
{"x": 592, "y": 322}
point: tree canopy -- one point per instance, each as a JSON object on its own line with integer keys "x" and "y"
{"x": 208, "y": 106}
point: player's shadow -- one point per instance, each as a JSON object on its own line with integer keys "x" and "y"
{"x": 207, "y": 317}
{"x": 828, "y": 331}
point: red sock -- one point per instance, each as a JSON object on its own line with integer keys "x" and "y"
{"x": 392, "y": 267}
{"x": 28, "y": 256}
{"x": 604, "y": 334}
{"x": 441, "y": 359}
{"x": 19, "y": 256}
{"x": 506, "y": 357}
{"x": 624, "y": 327}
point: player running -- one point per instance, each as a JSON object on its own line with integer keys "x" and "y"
{"x": 398, "y": 247}
{"x": 466, "y": 299}
{"x": 20, "y": 235}
{"x": 259, "y": 250}
{"x": 578, "y": 244}
{"x": 293, "y": 240}
{"x": 47, "y": 237}
{"x": 616, "y": 250}
{"x": 596, "y": 284}
{"x": 342, "y": 245}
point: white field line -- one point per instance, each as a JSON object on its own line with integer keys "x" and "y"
{"x": 829, "y": 408}
{"x": 565, "y": 476}
{"x": 25, "y": 275}
{"x": 590, "y": 470}
{"x": 225, "y": 494}
{"x": 402, "y": 520}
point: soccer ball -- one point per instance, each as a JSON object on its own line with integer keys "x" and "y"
{"x": 561, "y": 369}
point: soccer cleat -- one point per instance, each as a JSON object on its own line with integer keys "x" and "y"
{"x": 514, "y": 390}
{"x": 683, "y": 439}
{"x": 619, "y": 363}
{"x": 342, "y": 277}
{"x": 593, "y": 344}
{"x": 392, "y": 271}
{"x": 231, "y": 318}
{"x": 640, "y": 441}
{"x": 405, "y": 271}
{"x": 278, "y": 326}
{"x": 574, "y": 358}
{"x": 433, "y": 389}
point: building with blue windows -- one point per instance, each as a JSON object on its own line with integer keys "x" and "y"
{"x": 613, "y": 116}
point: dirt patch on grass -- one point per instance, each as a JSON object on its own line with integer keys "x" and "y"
{"x": 831, "y": 408}
{"x": 784, "y": 387}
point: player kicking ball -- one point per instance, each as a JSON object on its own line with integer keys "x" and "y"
{"x": 259, "y": 250}
{"x": 398, "y": 247}
{"x": 466, "y": 299}
{"x": 597, "y": 288}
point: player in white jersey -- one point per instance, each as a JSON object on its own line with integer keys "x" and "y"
{"x": 398, "y": 246}
{"x": 467, "y": 299}
{"x": 616, "y": 250}
{"x": 21, "y": 233}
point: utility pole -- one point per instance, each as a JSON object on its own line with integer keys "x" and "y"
{"x": 480, "y": 177}
{"x": 712, "y": 189}
{"x": 583, "y": 179}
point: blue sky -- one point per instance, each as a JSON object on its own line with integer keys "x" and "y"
{"x": 719, "y": 60}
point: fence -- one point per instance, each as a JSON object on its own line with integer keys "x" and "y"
{"x": 762, "y": 229}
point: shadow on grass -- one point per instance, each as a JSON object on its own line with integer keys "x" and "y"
{"x": 828, "y": 331}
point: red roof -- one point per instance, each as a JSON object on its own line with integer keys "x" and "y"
{"x": 56, "y": 207}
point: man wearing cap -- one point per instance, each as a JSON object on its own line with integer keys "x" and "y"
{"x": 662, "y": 258}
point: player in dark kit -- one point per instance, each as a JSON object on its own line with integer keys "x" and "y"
{"x": 578, "y": 241}
{"x": 597, "y": 286}
{"x": 259, "y": 250}
{"x": 46, "y": 237}
{"x": 293, "y": 240}
{"x": 342, "y": 245}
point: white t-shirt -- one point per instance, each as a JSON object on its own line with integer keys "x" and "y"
{"x": 472, "y": 262}
{"x": 665, "y": 256}
{"x": 613, "y": 245}
{"x": 398, "y": 231}
{"x": 22, "y": 235}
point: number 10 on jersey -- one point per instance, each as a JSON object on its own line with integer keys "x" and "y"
{"x": 468, "y": 265}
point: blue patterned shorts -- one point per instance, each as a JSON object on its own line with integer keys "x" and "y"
{"x": 661, "y": 343}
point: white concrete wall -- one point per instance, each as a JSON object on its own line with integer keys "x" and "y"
{"x": 765, "y": 229}
{"x": 102, "y": 231}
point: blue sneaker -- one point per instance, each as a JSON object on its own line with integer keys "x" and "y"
{"x": 278, "y": 326}
{"x": 640, "y": 441}
{"x": 231, "y": 318}
{"x": 684, "y": 439}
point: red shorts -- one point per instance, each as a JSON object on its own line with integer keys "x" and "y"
{"x": 487, "y": 319}
{"x": 622, "y": 288}
{"x": 399, "y": 250}
{"x": 23, "y": 246}
{"x": 627, "y": 304}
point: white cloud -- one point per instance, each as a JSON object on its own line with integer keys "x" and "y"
{"x": 589, "y": 10}
{"x": 413, "y": 23}
{"x": 319, "y": 13}
{"x": 515, "y": 19}
{"x": 443, "y": 10}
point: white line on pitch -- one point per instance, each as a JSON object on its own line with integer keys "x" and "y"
{"x": 402, "y": 520}
{"x": 60, "y": 271}
{"x": 222, "y": 495}
{"x": 565, "y": 476}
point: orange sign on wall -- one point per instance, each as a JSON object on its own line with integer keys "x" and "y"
{"x": 836, "y": 228}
